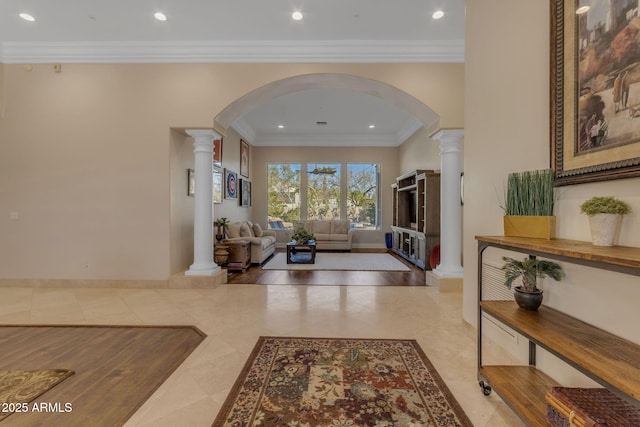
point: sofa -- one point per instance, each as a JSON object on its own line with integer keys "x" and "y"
{"x": 263, "y": 242}
{"x": 330, "y": 234}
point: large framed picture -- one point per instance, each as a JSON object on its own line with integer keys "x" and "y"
{"x": 230, "y": 185}
{"x": 217, "y": 185}
{"x": 245, "y": 193}
{"x": 244, "y": 158}
{"x": 595, "y": 90}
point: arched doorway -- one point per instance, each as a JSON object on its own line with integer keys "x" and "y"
{"x": 398, "y": 98}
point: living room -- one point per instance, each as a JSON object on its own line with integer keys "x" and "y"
{"x": 93, "y": 163}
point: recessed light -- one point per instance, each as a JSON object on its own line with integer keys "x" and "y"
{"x": 437, "y": 14}
{"x": 27, "y": 17}
{"x": 372, "y": 126}
{"x": 280, "y": 126}
{"x": 583, "y": 9}
{"x": 160, "y": 16}
{"x": 297, "y": 15}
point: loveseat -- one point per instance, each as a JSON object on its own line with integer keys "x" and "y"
{"x": 263, "y": 242}
{"x": 330, "y": 234}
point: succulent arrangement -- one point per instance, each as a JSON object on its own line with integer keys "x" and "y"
{"x": 607, "y": 205}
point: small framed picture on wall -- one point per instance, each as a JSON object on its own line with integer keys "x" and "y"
{"x": 191, "y": 182}
{"x": 217, "y": 152}
{"x": 245, "y": 193}
{"x": 217, "y": 185}
{"x": 244, "y": 158}
{"x": 230, "y": 185}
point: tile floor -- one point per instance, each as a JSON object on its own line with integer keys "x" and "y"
{"x": 234, "y": 316}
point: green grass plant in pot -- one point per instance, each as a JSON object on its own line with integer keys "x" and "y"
{"x": 605, "y": 216}
{"x": 528, "y": 296}
{"x": 529, "y": 204}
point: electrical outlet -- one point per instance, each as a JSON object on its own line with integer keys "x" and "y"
{"x": 14, "y": 216}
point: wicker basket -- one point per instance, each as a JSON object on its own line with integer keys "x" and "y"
{"x": 588, "y": 407}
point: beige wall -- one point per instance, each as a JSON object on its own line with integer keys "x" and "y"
{"x": 419, "y": 152}
{"x": 506, "y": 130}
{"x": 87, "y": 157}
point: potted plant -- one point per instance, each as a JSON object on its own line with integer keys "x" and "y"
{"x": 605, "y": 216}
{"x": 529, "y": 203}
{"x": 302, "y": 236}
{"x": 528, "y": 296}
{"x": 222, "y": 225}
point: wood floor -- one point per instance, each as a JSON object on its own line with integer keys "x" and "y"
{"x": 116, "y": 368}
{"x": 255, "y": 274}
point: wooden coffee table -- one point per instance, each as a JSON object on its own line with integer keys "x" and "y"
{"x": 301, "y": 253}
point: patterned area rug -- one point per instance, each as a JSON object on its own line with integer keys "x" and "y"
{"x": 310, "y": 382}
{"x": 340, "y": 261}
{"x": 18, "y": 388}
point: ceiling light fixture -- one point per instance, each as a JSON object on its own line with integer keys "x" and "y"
{"x": 280, "y": 126}
{"x": 27, "y": 17}
{"x": 297, "y": 15}
{"x": 160, "y": 16}
{"x": 372, "y": 126}
{"x": 437, "y": 14}
{"x": 582, "y": 10}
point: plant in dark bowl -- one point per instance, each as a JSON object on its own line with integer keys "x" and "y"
{"x": 302, "y": 236}
{"x": 528, "y": 296}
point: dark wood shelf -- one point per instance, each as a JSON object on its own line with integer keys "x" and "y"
{"x": 522, "y": 388}
{"x": 624, "y": 259}
{"x": 608, "y": 359}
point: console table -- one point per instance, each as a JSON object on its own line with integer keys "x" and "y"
{"x": 611, "y": 361}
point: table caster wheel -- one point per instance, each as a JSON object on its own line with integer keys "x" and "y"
{"x": 486, "y": 388}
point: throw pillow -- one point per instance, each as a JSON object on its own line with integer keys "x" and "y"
{"x": 244, "y": 231}
{"x": 257, "y": 230}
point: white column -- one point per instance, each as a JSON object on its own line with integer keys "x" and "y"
{"x": 203, "y": 264}
{"x": 450, "y": 209}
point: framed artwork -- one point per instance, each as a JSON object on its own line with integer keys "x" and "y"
{"x": 217, "y": 185}
{"x": 217, "y": 152}
{"x": 595, "y": 91}
{"x": 245, "y": 192}
{"x": 230, "y": 185}
{"x": 191, "y": 182}
{"x": 244, "y": 158}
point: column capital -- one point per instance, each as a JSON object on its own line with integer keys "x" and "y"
{"x": 447, "y": 135}
{"x": 203, "y": 133}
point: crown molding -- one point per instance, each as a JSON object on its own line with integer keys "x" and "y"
{"x": 245, "y": 130}
{"x": 318, "y": 139}
{"x": 254, "y": 51}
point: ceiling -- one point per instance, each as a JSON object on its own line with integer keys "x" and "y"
{"x": 122, "y": 31}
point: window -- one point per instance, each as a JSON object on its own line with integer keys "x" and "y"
{"x": 362, "y": 195}
{"x": 283, "y": 185}
{"x": 323, "y": 191}
{"x": 328, "y": 193}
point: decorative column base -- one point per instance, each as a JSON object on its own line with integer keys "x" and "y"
{"x": 202, "y": 270}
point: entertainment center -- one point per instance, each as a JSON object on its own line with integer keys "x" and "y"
{"x": 416, "y": 215}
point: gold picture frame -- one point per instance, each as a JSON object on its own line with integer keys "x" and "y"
{"x": 594, "y": 136}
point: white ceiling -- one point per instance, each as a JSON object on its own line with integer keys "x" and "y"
{"x": 251, "y": 31}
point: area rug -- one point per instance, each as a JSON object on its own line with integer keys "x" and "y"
{"x": 310, "y": 382}
{"x": 19, "y": 388}
{"x": 340, "y": 261}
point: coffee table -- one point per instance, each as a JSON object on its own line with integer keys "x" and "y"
{"x": 301, "y": 253}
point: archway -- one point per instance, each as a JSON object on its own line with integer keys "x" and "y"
{"x": 388, "y": 93}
